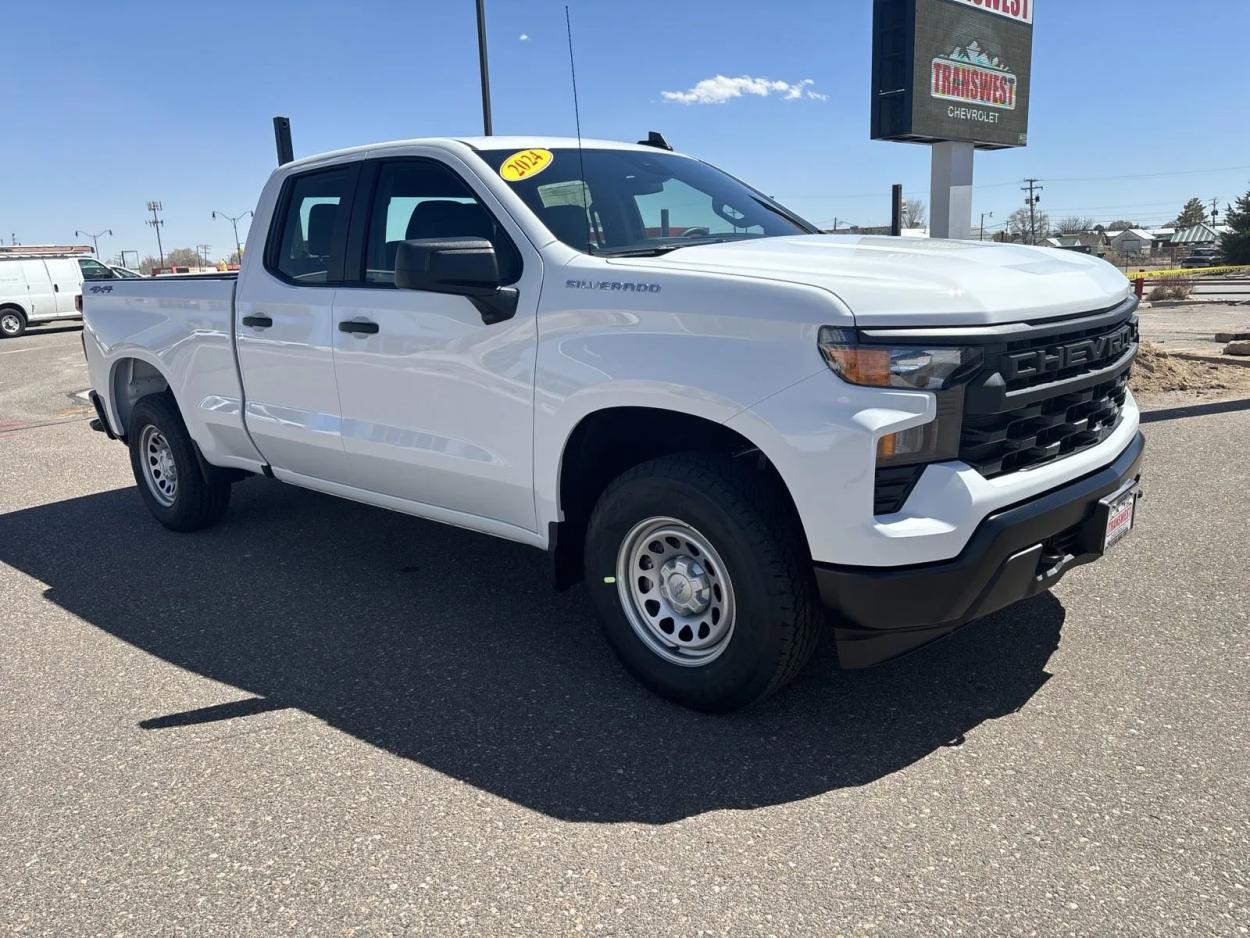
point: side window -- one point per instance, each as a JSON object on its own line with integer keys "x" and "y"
{"x": 94, "y": 270}
{"x": 423, "y": 199}
{"x": 311, "y": 218}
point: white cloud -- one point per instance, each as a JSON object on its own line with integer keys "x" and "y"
{"x": 720, "y": 89}
{"x": 525, "y": 37}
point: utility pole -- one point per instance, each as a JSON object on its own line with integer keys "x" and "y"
{"x": 1214, "y": 210}
{"x": 981, "y": 230}
{"x": 1031, "y": 201}
{"x": 481, "y": 55}
{"x": 95, "y": 238}
{"x": 202, "y": 250}
{"x": 234, "y": 220}
{"x": 155, "y": 222}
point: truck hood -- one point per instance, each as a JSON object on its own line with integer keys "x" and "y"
{"x": 887, "y": 281}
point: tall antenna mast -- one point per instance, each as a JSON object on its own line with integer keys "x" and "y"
{"x": 487, "y": 127}
{"x": 577, "y": 117}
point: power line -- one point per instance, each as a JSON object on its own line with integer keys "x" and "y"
{"x": 1013, "y": 182}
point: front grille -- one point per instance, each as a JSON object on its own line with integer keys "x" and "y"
{"x": 1048, "y": 396}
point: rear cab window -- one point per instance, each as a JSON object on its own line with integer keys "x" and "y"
{"x": 305, "y": 241}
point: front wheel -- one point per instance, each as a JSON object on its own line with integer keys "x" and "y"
{"x": 12, "y": 323}
{"x": 182, "y": 493}
{"x": 701, "y": 580}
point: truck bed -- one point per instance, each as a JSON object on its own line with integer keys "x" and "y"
{"x": 181, "y": 326}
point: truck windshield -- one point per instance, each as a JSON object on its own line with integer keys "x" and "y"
{"x": 633, "y": 202}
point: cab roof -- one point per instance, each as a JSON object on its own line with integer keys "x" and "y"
{"x": 479, "y": 143}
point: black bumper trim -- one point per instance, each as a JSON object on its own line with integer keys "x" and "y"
{"x": 883, "y": 612}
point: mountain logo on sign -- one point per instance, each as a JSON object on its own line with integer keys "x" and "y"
{"x": 969, "y": 74}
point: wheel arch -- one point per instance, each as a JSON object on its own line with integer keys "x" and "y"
{"x": 132, "y": 378}
{"x": 606, "y": 442}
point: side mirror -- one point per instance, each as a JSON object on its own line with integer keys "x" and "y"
{"x": 464, "y": 266}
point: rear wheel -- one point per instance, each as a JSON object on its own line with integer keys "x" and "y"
{"x": 181, "y": 492}
{"x": 702, "y": 582}
{"x": 12, "y": 322}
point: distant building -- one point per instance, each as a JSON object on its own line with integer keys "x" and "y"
{"x": 1084, "y": 242}
{"x": 1198, "y": 236}
{"x": 1135, "y": 242}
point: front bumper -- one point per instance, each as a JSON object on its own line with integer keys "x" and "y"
{"x": 1017, "y": 552}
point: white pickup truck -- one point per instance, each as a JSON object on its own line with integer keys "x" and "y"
{"x": 736, "y": 429}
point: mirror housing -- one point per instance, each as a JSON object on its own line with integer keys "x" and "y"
{"x": 465, "y": 267}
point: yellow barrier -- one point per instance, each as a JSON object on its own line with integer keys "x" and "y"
{"x": 1142, "y": 272}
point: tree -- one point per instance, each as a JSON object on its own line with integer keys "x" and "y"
{"x": 914, "y": 213}
{"x": 1030, "y": 231}
{"x": 1121, "y": 225}
{"x": 1074, "y": 224}
{"x": 183, "y": 257}
{"x": 1235, "y": 244}
{"x": 1194, "y": 213}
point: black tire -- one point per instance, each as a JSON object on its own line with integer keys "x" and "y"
{"x": 199, "y": 495}
{"x": 12, "y": 322}
{"x": 777, "y": 613}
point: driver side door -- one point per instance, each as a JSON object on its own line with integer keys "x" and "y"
{"x": 437, "y": 405}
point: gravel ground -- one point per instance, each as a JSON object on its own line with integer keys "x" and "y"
{"x": 321, "y": 718}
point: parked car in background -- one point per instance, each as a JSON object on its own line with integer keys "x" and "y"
{"x": 43, "y": 284}
{"x": 38, "y": 288}
{"x": 1202, "y": 257}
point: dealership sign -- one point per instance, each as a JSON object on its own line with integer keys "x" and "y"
{"x": 952, "y": 70}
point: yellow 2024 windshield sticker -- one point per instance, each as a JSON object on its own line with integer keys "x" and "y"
{"x": 525, "y": 163}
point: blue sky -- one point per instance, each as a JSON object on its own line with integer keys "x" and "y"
{"x": 107, "y": 106}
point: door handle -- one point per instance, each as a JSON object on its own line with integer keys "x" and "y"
{"x": 257, "y": 322}
{"x": 358, "y": 328}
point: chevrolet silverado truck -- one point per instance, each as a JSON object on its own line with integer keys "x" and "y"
{"x": 738, "y": 431}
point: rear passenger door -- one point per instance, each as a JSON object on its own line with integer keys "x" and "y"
{"x": 66, "y": 283}
{"x": 284, "y": 329}
{"x": 41, "y": 300}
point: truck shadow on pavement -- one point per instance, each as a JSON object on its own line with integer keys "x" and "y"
{"x": 451, "y": 649}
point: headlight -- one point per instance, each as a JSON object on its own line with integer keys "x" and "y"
{"x": 912, "y": 367}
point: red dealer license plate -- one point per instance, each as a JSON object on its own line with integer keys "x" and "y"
{"x": 1120, "y": 509}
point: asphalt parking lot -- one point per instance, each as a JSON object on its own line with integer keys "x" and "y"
{"x": 322, "y": 718}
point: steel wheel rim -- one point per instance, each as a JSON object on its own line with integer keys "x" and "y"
{"x": 675, "y": 591}
{"x": 160, "y": 471}
{"x": 9, "y": 323}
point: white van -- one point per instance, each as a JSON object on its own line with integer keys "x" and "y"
{"x": 38, "y": 288}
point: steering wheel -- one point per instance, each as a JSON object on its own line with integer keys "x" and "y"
{"x": 697, "y": 232}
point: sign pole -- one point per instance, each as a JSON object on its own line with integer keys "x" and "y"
{"x": 950, "y": 190}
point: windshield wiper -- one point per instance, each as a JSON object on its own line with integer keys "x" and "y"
{"x": 656, "y": 250}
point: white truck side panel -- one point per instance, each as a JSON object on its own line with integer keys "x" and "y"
{"x": 183, "y": 330}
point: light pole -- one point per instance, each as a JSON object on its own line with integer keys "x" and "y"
{"x": 234, "y": 220}
{"x": 984, "y": 215}
{"x": 155, "y": 222}
{"x": 95, "y": 238}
